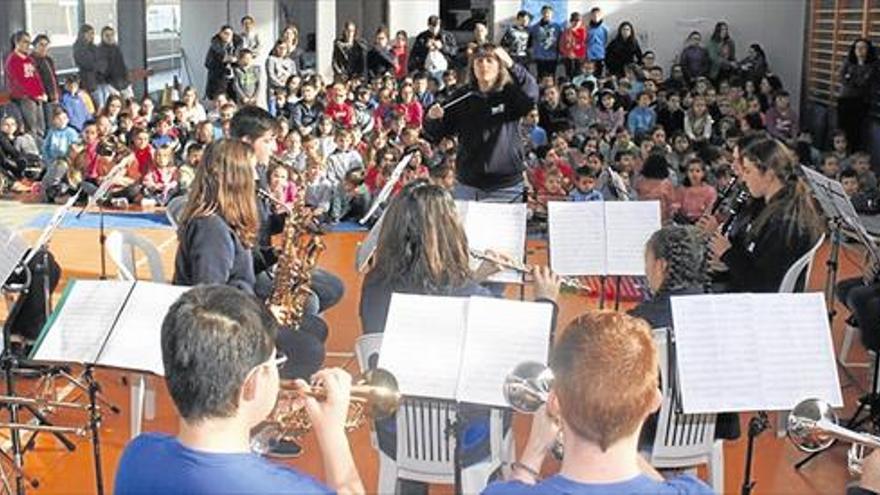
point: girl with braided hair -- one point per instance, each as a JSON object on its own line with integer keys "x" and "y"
{"x": 675, "y": 261}
{"x": 676, "y": 264}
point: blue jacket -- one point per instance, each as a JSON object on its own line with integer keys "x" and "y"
{"x": 597, "y": 38}
{"x": 57, "y": 142}
{"x": 641, "y": 120}
{"x": 545, "y": 40}
{"x": 76, "y": 110}
{"x": 593, "y": 195}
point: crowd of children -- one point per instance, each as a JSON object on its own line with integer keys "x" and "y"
{"x": 611, "y": 124}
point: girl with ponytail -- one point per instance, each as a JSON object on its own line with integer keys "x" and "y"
{"x": 785, "y": 229}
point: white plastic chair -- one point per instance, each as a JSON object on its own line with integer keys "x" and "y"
{"x": 424, "y": 451}
{"x": 684, "y": 440}
{"x": 122, "y": 248}
{"x": 174, "y": 209}
{"x": 850, "y": 333}
{"x": 804, "y": 265}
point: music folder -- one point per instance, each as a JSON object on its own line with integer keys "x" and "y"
{"x": 601, "y": 237}
{"x": 110, "y": 323}
{"x": 461, "y": 349}
{"x": 753, "y": 352}
{"x": 12, "y": 250}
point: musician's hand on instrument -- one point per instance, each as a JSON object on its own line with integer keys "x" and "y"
{"x": 333, "y": 410}
{"x": 435, "y": 112}
{"x": 719, "y": 245}
{"x": 546, "y": 283}
{"x": 708, "y": 224}
{"x": 871, "y": 472}
{"x": 542, "y": 437}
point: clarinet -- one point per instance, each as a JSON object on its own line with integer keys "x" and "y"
{"x": 722, "y": 196}
{"x": 735, "y": 209}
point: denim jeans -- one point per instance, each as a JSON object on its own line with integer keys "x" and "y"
{"x": 509, "y": 194}
{"x": 32, "y": 114}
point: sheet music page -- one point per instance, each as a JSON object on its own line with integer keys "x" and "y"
{"x": 831, "y": 197}
{"x": 12, "y": 249}
{"x": 78, "y": 328}
{"x": 500, "y": 334}
{"x": 422, "y": 343}
{"x": 577, "y": 237}
{"x": 135, "y": 342}
{"x": 500, "y": 227}
{"x": 628, "y": 226}
{"x": 367, "y": 247}
{"x": 748, "y": 352}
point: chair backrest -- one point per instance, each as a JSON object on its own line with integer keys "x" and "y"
{"x": 122, "y": 247}
{"x": 366, "y": 349}
{"x": 682, "y": 439}
{"x": 803, "y": 266}
{"x": 174, "y": 209}
{"x": 425, "y": 452}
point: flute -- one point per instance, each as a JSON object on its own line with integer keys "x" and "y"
{"x": 567, "y": 282}
{"x": 272, "y": 199}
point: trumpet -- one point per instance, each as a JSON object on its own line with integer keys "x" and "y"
{"x": 813, "y": 427}
{"x": 526, "y": 389}
{"x": 567, "y": 282}
{"x": 373, "y": 395}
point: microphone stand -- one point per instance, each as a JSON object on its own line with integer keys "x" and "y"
{"x": 98, "y": 198}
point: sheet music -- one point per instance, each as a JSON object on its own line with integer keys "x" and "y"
{"x": 831, "y": 197}
{"x": 367, "y": 247}
{"x": 628, "y": 226}
{"x": 135, "y": 342}
{"x": 12, "y": 249}
{"x": 422, "y": 343}
{"x": 748, "y": 352}
{"x": 577, "y": 237}
{"x": 500, "y": 227}
{"x": 80, "y": 326}
{"x": 385, "y": 192}
{"x": 500, "y": 334}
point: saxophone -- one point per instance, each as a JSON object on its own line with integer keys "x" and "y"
{"x": 300, "y": 250}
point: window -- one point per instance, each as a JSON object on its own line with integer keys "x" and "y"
{"x": 57, "y": 18}
{"x": 100, "y": 13}
{"x": 164, "y": 56}
{"x": 834, "y": 25}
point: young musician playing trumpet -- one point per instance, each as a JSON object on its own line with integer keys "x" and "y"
{"x": 606, "y": 377}
{"x": 221, "y": 369}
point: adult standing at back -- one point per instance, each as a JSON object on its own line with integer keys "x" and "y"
{"x": 545, "y": 43}
{"x": 721, "y": 48}
{"x": 694, "y": 58}
{"x": 46, "y": 69}
{"x": 24, "y": 84}
{"x": 219, "y": 61}
{"x": 490, "y": 151}
{"x": 597, "y": 38}
{"x": 349, "y": 53}
{"x": 858, "y": 73}
{"x": 85, "y": 55}
{"x": 623, "y": 50}
{"x": 112, "y": 72}
{"x": 446, "y": 40}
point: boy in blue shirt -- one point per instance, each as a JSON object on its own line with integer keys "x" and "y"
{"x": 59, "y": 138}
{"x": 73, "y": 104}
{"x": 545, "y": 43}
{"x": 218, "y": 349}
{"x": 606, "y": 381}
{"x": 642, "y": 118}
{"x": 584, "y": 185}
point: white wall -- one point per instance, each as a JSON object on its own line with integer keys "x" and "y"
{"x": 411, "y": 15}
{"x": 662, "y": 25}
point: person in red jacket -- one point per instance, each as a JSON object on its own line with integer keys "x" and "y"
{"x": 573, "y": 45}
{"x": 24, "y": 83}
{"x": 339, "y": 109}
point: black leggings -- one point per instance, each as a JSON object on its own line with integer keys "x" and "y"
{"x": 304, "y": 348}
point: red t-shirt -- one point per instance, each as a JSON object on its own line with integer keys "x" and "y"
{"x": 573, "y": 43}
{"x": 342, "y": 114}
{"x": 22, "y": 78}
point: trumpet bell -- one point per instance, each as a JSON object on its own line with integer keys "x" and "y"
{"x": 802, "y": 421}
{"x": 383, "y": 394}
{"x": 526, "y": 387}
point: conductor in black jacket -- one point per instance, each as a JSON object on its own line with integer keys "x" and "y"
{"x": 485, "y": 116}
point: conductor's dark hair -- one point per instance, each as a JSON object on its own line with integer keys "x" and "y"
{"x": 251, "y": 122}
{"x": 683, "y": 247}
{"x": 212, "y": 337}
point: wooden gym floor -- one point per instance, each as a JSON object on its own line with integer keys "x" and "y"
{"x": 62, "y": 472}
